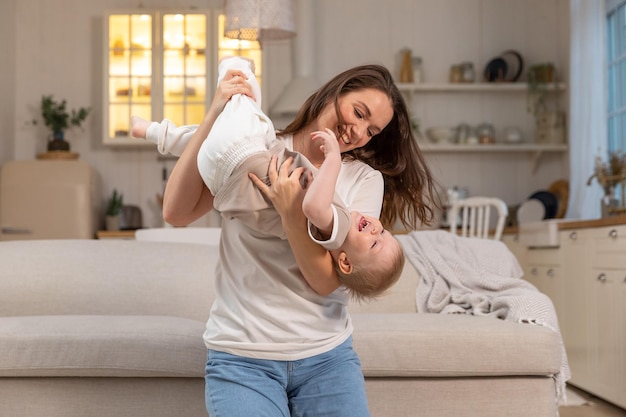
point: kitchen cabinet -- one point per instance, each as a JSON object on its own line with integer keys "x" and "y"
{"x": 544, "y": 269}
{"x": 156, "y": 66}
{"x": 162, "y": 64}
{"x": 511, "y": 240}
{"x": 608, "y": 326}
{"x": 574, "y": 319}
{"x": 586, "y": 279}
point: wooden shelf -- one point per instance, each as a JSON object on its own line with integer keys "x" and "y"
{"x": 59, "y": 155}
{"x": 115, "y": 234}
{"x": 473, "y": 87}
{"x": 525, "y": 147}
{"x": 536, "y": 150}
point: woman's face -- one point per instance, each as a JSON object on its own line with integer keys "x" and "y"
{"x": 365, "y": 113}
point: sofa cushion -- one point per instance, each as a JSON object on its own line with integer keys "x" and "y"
{"x": 102, "y": 277}
{"x": 99, "y": 346}
{"x": 438, "y": 345}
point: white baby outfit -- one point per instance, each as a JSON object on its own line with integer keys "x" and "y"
{"x": 243, "y": 140}
{"x": 232, "y": 137}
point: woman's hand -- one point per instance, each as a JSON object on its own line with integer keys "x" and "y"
{"x": 284, "y": 190}
{"x": 234, "y": 82}
{"x": 286, "y": 193}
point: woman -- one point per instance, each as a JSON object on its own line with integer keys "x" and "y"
{"x": 279, "y": 331}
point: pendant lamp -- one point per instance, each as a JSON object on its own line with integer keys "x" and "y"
{"x": 259, "y": 20}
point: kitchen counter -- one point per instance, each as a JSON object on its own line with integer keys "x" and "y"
{"x": 579, "y": 224}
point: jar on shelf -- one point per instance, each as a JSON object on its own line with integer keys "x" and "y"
{"x": 406, "y": 69}
{"x": 486, "y": 134}
{"x": 468, "y": 75}
{"x": 416, "y": 62}
{"x": 456, "y": 74}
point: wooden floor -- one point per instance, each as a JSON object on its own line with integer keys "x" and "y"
{"x": 595, "y": 408}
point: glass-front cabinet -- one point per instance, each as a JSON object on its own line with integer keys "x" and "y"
{"x": 163, "y": 65}
{"x": 128, "y": 82}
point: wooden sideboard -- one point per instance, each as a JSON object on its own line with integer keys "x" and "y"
{"x": 115, "y": 234}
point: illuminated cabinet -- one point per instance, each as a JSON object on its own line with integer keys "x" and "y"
{"x": 163, "y": 65}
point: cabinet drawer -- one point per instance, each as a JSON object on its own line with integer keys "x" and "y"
{"x": 609, "y": 249}
{"x": 545, "y": 256}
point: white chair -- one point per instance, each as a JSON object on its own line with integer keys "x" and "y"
{"x": 475, "y": 217}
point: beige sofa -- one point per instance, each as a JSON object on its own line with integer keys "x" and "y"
{"x": 113, "y": 328}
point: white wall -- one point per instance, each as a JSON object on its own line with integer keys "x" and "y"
{"x": 7, "y": 69}
{"x": 444, "y": 32}
{"x": 57, "y": 50}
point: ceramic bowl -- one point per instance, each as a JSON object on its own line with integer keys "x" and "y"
{"x": 440, "y": 134}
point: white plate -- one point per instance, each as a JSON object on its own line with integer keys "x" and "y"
{"x": 531, "y": 211}
{"x": 515, "y": 64}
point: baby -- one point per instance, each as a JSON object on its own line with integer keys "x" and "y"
{"x": 368, "y": 258}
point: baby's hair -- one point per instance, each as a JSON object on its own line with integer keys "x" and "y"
{"x": 368, "y": 283}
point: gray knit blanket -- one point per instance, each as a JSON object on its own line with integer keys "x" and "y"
{"x": 480, "y": 277}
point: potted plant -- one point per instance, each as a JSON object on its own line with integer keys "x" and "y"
{"x": 539, "y": 77}
{"x": 58, "y": 119}
{"x": 113, "y": 209}
{"x": 549, "y": 120}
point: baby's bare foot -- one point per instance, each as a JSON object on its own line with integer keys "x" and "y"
{"x": 139, "y": 127}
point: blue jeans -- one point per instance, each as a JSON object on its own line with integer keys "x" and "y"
{"x": 327, "y": 385}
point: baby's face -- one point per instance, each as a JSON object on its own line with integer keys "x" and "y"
{"x": 367, "y": 241}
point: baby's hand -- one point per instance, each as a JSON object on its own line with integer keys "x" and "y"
{"x": 329, "y": 145}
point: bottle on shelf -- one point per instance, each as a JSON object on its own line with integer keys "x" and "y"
{"x": 406, "y": 69}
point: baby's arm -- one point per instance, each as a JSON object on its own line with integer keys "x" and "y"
{"x": 317, "y": 204}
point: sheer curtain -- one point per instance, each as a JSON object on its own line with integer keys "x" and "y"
{"x": 588, "y": 117}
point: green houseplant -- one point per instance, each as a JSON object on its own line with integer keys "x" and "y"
{"x": 549, "y": 118}
{"x": 539, "y": 77}
{"x": 58, "y": 119}
{"x": 113, "y": 209}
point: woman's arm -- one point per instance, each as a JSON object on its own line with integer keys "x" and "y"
{"x": 286, "y": 194}
{"x": 186, "y": 197}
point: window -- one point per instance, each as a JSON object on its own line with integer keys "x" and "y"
{"x": 616, "y": 56}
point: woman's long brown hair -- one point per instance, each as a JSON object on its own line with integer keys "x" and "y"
{"x": 411, "y": 195}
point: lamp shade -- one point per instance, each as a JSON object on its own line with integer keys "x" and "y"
{"x": 259, "y": 20}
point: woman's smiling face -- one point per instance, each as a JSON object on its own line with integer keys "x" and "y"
{"x": 365, "y": 114}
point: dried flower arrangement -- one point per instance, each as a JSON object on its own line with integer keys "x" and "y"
{"x": 610, "y": 175}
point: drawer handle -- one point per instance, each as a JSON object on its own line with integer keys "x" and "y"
{"x": 533, "y": 271}
{"x": 573, "y": 235}
{"x": 613, "y": 233}
{"x": 602, "y": 277}
{"x": 550, "y": 272}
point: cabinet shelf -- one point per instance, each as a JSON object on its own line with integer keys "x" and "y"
{"x": 530, "y": 147}
{"x": 473, "y": 87}
{"x": 485, "y": 92}
{"x": 536, "y": 150}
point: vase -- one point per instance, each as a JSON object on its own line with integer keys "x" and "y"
{"x": 58, "y": 142}
{"x": 112, "y": 222}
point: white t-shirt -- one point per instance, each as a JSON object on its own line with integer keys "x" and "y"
{"x": 264, "y": 308}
